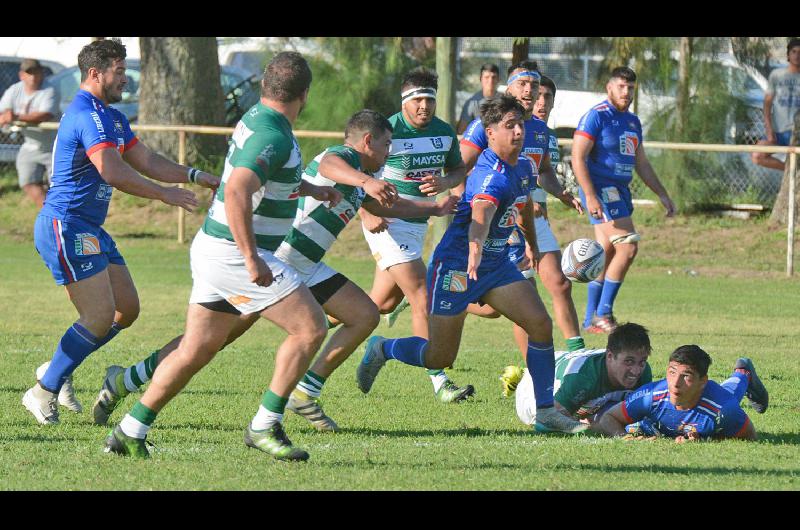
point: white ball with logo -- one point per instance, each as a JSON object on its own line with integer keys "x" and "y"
{"x": 582, "y": 260}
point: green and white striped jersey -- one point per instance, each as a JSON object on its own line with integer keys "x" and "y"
{"x": 416, "y": 152}
{"x": 262, "y": 142}
{"x": 315, "y": 226}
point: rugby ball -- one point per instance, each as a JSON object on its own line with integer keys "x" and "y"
{"x": 582, "y": 260}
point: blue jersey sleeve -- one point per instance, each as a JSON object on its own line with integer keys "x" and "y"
{"x": 590, "y": 125}
{"x": 91, "y": 132}
{"x": 637, "y": 405}
{"x": 733, "y": 420}
{"x": 127, "y": 134}
{"x": 475, "y": 135}
{"x": 494, "y": 188}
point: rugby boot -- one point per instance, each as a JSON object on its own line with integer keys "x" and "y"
{"x": 42, "y": 404}
{"x": 110, "y": 395}
{"x": 120, "y": 443}
{"x": 273, "y": 441}
{"x": 550, "y": 420}
{"x": 371, "y": 363}
{"x": 756, "y": 393}
{"x": 310, "y": 408}
{"x": 450, "y": 393}
{"x": 66, "y": 396}
{"x": 509, "y": 379}
{"x": 606, "y": 323}
{"x": 391, "y": 318}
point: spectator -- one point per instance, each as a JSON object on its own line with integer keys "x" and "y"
{"x": 32, "y": 101}
{"x": 490, "y": 77}
{"x": 781, "y": 102}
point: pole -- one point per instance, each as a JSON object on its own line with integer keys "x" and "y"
{"x": 181, "y": 161}
{"x": 790, "y": 220}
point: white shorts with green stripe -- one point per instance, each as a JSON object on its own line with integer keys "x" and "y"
{"x": 400, "y": 243}
{"x": 219, "y": 273}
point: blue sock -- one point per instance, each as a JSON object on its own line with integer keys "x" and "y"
{"x": 542, "y": 367}
{"x": 76, "y": 345}
{"x": 737, "y": 385}
{"x": 610, "y": 290}
{"x": 592, "y": 299}
{"x": 410, "y": 350}
{"x": 115, "y": 329}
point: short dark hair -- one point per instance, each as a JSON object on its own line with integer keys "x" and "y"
{"x": 366, "y": 121}
{"x": 493, "y": 109}
{"x": 629, "y": 337}
{"x": 792, "y": 43}
{"x": 490, "y": 67}
{"x": 549, "y": 83}
{"x": 100, "y": 54}
{"x": 286, "y": 77}
{"x": 525, "y": 65}
{"x": 623, "y": 72}
{"x": 694, "y": 356}
{"x": 420, "y": 77}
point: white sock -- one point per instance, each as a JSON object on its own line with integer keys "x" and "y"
{"x": 438, "y": 380}
{"x": 264, "y": 419}
{"x": 133, "y": 427}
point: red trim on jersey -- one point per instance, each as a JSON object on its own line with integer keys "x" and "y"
{"x": 133, "y": 142}
{"x": 584, "y": 133}
{"x": 624, "y": 409}
{"x": 467, "y": 142}
{"x": 485, "y": 197}
{"x": 746, "y": 423}
{"x": 97, "y": 147}
{"x": 60, "y": 249}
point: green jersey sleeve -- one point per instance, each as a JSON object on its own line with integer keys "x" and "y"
{"x": 264, "y": 153}
{"x": 347, "y": 154}
{"x": 575, "y": 391}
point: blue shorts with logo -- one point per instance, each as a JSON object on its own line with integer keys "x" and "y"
{"x": 450, "y": 291}
{"x": 516, "y": 246}
{"x": 615, "y": 199}
{"x": 74, "y": 250}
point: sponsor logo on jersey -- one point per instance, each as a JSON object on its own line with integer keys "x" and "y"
{"x": 512, "y": 213}
{"x": 278, "y": 278}
{"x": 455, "y": 282}
{"x": 264, "y": 157}
{"x": 535, "y": 155}
{"x": 494, "y": 245}
{"x": 428, "y": 160}
{"x": 104, "y": 192}
{"x": 346, "y": 215}
{"x": 295, "y": 194}
{"x": 97, "y": 122}
{"x": 437, "y": 142}
{"x": 86, "y": 245}
{"x": 553, "y": 142}
{"x": 540, "y": 138}
{"x": 408, "y": 145}
{"x": 628, "y": 142}
{"x": 418, "y": 175}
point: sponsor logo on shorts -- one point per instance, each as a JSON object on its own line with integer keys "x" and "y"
{"x": 444, "y": 304}
{"x": 87, "y": 266}
{"x": 104, "y": 192}
{"x": 628, "y": 143}
{"x": 403, "y": 247}
{"x": 614, "y": 211}
{"x": 455, "y": 282}
{"x": 239, "y": 300}
{"x": 86, "y": 245}
{"x": 278, "y": 279}
{"x": 610, "y": 194}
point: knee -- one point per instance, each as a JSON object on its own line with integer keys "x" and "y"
{"x": 539, "y": 327}
{"x": 128, "y": 313}
{"x": 363, "y": 316}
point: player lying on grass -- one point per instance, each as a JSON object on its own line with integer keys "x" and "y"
{"x": 316, "y": 226}
{"x": 687, "y": 406}
{"x": 588, "y": 382}
{"x": 471, "y": 263}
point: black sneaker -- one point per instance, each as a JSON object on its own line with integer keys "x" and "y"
{"x": 756, "y": 393}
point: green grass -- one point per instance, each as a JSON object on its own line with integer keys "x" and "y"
{"x": 398, "y": 437}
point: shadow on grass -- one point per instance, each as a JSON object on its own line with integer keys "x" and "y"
{"x": 138, "y": 235}
{"x": 469, "y": 432}
{"x": 792, "y": 438}
{"x": 673, "y": 469}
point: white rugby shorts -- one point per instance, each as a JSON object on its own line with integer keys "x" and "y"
{"x": 545, "y": 242}
{"x": 219, "y": 273}
{"x": 400, "y": 243}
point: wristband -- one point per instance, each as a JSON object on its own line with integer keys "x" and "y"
{"x": 192, "y": 174}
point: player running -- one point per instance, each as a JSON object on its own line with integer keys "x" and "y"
{"x": 608, "y": 146}
{"x": 95, "y": 151}
{"x": 423, "y": 148}
{"x": 687, "y": 406}
{"x": 471, "y": 263}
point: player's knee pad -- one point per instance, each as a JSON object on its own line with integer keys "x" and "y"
{"x": 630, "y": 237}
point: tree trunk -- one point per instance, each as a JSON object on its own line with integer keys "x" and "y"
{"x": 520, "y": 49}
{"x": 684, "y": 69}
{"x": 780, "y": 211}
{"x": 180, "y": 85}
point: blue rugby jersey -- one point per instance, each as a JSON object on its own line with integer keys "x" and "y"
{"x": 616, "y": 136}
{"x": 507, "y": 187}
{"x": 77, "y": 189}
{"x": 717, "y": 414}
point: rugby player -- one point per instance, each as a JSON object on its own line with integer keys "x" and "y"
{"x": 471, "y": 263}
{"x": 687, "y": 406}
{"x": 95, "y": 152}
{"x": 608, "y": 146}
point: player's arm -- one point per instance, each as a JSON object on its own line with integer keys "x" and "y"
{"x": 549, "y": 183}
{"x": 454, "y": 176}
{"x": 649, "y": 177}
{"x": 406, "y": 208}
{"x": 461, "y": 126}
{"x": 582, "y": 145}
{"x": 327, "y": 194}
{"x": 148, "y": 162}
{"x": 338, "y": 170}
{"x": 769, "y": 99}
{"x": 613, "y": 422}
{"x": 117, "y": 173}
{"x": 483, "y": 209}
{"x": 239, "y": 189}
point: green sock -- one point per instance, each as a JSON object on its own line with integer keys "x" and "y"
{"x": 311, "y": 384}
{"x": 273, "y": 402}
{"x": 575, "y": 343}
{"x": 434, "y": 372}
{"x": 143, "y": 414}
{"x": 140, "y": 373}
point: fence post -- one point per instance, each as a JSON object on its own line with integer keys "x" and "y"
{"x": 790, "y": 218}
{"x": 181, "y": 211}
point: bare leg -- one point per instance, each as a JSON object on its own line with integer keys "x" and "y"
{"x": 620, "y": 257}
{"x": 410, "y": 278}
{"x": 445, "y": 332}
{"x": 766, "y": 159}
{"x": 560, "y": 289}
{"x": 385, "y": 292}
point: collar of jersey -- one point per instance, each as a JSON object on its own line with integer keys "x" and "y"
{"x": 274, "y": 112}
{"x": 403, "y": 117}
{"x": 93, "y": 97}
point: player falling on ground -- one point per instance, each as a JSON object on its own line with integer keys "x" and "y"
{"x": 471, "y": 263}
{"x": 423, "y": 147}
{"x": 588, "y": 382}
{"x": 687, "y": 406}
{"x": 524, "y": 83}
{"x": 608, "y": 146}
{"x": 348, "y": 169}
{"x": 234, "y": 270}
{"x": 95, "y": 152}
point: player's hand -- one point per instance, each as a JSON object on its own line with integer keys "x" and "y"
{"x": 382, "y": 191}
{"x": 474, "y": 261}
{"x": 669, "y": 206}
{"x": 327, "y": 194}
{"x": 176, "y": 196}
{"x": 570, "y": 201}
{"x": 373, "y": 223}
{"x": 447, "y": 205}
{"x": 207, "y": 180}
{"x": 530, "y": 255}
{"x": 524, "y": 264}
{"x": 693, "y": 436}
{"x": 260, "y": 273}
{"x": 432, "y": 184}
{"x": 593, "y": 205}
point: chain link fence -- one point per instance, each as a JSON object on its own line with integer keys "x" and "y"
{"x": 10, "y": 137}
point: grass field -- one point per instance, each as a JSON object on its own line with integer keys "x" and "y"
{"x": 397, "y": 437}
